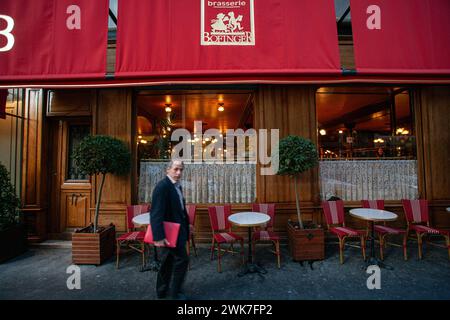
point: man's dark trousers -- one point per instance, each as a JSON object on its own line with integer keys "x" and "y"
{"x": 176, "y": 260}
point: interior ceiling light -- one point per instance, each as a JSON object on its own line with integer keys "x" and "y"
{"x": 168, "y": 107}
{"x": 322, "y": 132}
{"x": 221, "y": 108}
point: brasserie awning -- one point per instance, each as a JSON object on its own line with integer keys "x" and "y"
{"x": 53, "y": 39}
{"x": 401, "y": 36}
{"x": 63, "y": 43}
{"x": 251, "y": 37}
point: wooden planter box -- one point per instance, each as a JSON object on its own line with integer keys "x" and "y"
{"x": 13, "y": 242}
{"x": 306, "y": 244}
{"x": 93, "y": 248}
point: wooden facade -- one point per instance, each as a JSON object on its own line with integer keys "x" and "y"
{"x": 54, "y": 206}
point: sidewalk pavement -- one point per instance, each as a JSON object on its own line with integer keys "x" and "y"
{"x": 40, "y": 273}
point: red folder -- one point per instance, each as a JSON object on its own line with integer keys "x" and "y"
{"x": 171, "y": 229}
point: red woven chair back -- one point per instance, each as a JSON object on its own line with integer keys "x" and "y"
{"x": 416, "y": 211}
{"x": 333, "y": 211}
{"x": 267, "y": 208}
{"x": 191, "y": 209}
{"x": 133, "y": 211}
{"x": 218, "y": 216}
{"x": 373, "y": 204}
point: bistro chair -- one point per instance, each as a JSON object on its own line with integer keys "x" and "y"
{"x": 334, "y": 216}
{"x": 418, "y": 220}
{"x": 221, "y": 228}
{"x": 384, "y": 230}
{"x": 191, "y": 209}
{"x": 266, "y": 233}
{"x": 133, "y": 239}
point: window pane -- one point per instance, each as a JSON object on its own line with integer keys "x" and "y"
{"x": 76, "y": 134}
{"x": 366, "y": 143}
{"x": 207, "y": 180}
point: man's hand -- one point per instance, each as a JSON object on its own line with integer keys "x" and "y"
{"x": 161, "y": 243}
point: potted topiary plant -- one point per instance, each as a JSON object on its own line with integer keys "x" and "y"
{"x": 297, "y": 155}
{"x": 99, "y": 156}
{"x": 13, "y": 234}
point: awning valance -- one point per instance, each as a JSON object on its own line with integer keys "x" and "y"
{"x": 401, "y": 36}
{"x": 53, "y": 39}
{"x": 222, "y": 38}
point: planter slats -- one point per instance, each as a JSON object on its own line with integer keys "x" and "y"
{"x": 93, "y": 248}
{"x": 306, "y": 244}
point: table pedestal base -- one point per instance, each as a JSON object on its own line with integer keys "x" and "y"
{"x": 377, "y": 262}
{"x": 153, "y": 265}
{"x": 252, "y": 268}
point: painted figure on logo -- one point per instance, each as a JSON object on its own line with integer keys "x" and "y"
{"x": 234, "y": 23}
{"x": 218, "y": 25}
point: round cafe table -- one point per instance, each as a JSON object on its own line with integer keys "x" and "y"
{"x": 250, "y": 220}
{"x": 373, "y": 215}
{"x": 144, "y": 220}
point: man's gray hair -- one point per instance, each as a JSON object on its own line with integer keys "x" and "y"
{"x": 172, "y": 162}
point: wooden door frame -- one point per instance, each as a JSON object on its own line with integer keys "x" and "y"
{"x": 59, "y": 137}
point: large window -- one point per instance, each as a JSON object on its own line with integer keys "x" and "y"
{"x": 367, "y": 143}
{"x": 159, "y": 115}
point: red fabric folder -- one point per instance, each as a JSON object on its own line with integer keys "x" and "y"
{"x": 171, "y": 229}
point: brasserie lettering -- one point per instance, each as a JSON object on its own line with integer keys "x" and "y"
{"x": 226, "y": 3}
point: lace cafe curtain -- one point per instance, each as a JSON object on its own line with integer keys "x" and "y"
{"x": 204, "y": 182}
{"x": 354, "y": 180}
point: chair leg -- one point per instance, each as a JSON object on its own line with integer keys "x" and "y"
{"x": 405, "y": 253}
{"x": 143, "y": 254}
{"x": 188, "y": 253}
{"x": 242, "y": 251}
{"x": 363, "y": 247}
{"x": 381, "y": 238}
{"x": 117, "y": 254}
{"x": 218, "y": 255}
{"x": 212, "y": 249}
{"x": 193, "y": 245}
{"x": 447, "y": 240}
{"x": 277, "y": 245}
{"x": 188, "y": 249}
{"x": 341, "y": 249}
{"x": 419, "y": 244}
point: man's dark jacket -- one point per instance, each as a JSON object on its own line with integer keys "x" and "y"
{"x": 166, "y": 206}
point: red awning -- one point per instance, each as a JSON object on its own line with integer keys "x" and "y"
{"x": 3, "y": 96}
{"x": 401, "y": 36}
{"x": 192, "y": 38}
{"x": 53, "y": 39}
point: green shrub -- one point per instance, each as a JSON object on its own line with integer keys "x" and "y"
{"x": 101, "y": 155}
{"x": 295, "y": 156}
{"x": 9, "y": 203}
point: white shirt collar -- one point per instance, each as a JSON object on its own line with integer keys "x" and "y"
{"x": 173, "y": 181}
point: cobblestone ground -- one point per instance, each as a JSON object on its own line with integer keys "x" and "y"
{"x": 41, "y": 274}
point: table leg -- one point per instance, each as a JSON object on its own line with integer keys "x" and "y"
{"x": 372, "y": 259}
{"x": 251, "y": 267}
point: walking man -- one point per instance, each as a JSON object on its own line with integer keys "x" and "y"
{"x": 168, "y": 204}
